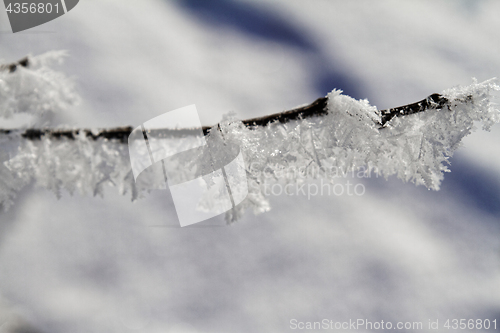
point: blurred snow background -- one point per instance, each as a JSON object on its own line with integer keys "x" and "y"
{"x": 398, "y": 253}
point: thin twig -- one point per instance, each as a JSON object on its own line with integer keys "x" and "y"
{"x": 24, "y": 62}
{"x": 316, "y": 109}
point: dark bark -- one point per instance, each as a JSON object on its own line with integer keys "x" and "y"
{"x": 24, "y": 62}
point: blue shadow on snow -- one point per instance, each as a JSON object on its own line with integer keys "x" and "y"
{"x": 263, "y": 23}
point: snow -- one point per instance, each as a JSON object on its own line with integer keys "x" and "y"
{"x": 398, "y": 252}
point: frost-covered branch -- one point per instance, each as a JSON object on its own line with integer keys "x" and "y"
{"x": 31, "y": 86}
{"x": 317, "y": 108}
{"x": 336, "y": 132}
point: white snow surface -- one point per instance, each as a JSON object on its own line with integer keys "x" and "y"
{"x": 396, "y": 253}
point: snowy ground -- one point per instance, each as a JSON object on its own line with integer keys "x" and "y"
{"x": 397, "y": 253}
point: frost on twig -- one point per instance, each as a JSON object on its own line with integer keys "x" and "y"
{"x": 415, "y": 147}
{"x": 31, "y": 86}
{"x": 336, "y": 132}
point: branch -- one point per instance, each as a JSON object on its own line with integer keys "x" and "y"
{"x": 316, "y": 109}
{"x": 346, "y": 134}
{"x": 24, "y": 62}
